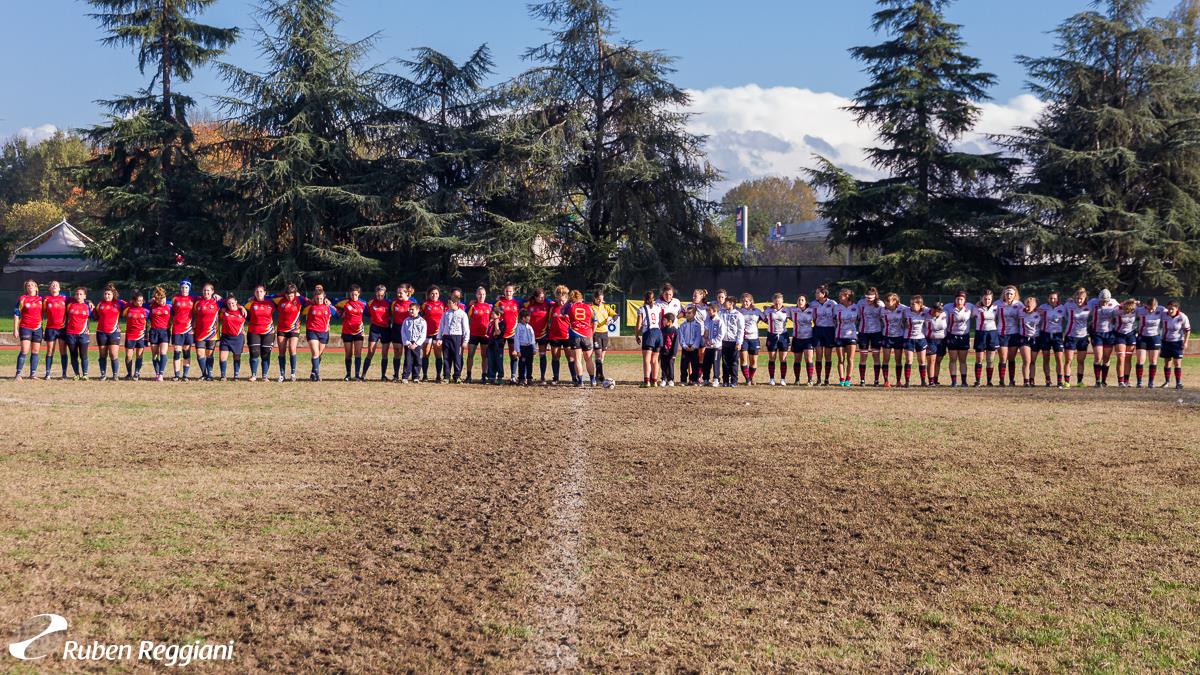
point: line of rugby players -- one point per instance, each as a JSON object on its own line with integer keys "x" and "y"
{"x": 719, "y": 340}
{"x": 433, "y": 332}
{"x": 716, "y": 341}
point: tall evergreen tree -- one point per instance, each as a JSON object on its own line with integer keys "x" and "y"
{"x": 930, "y": 218}
{"x": 144, "y": 174}
{"x": 1112, "y": 197}
{"x": 303, "y": 130}
{"x": 631, "y": 179}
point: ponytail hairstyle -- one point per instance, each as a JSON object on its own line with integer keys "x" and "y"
{"x": 648, "y": 298}
{"x": 845, "y": 294}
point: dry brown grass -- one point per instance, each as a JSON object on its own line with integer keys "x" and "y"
{"x": 379, "y": 527}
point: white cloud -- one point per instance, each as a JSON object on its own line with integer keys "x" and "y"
{"x": 37, "y": 134}
{"x": 776, "y": 131}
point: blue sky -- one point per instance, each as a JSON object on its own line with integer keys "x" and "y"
{"x": 55, "y": 67}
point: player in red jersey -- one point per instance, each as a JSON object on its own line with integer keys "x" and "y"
{"x": 290, "y": 305}
{"x": 379, "y": 312}
{"x": 539, "y": 321}
{"x": 353, "y": 310}
{"x": 432, "y": 310}
{"x": 559, "y": 331}
{"x": 478, "y": 315}
{"x": 108, "y": 329}
{"x": 182, "y": 336}
{"x": 160, "y": 331}
{"x": 581, "y": 321}
{"x": 54, "y": 308}
{"x": 260, "y": 332}
{"x": 317, "y": 316}
{"x": 27, "y": 328}
{"x": 511, "y": 307}
{"x": 206, "y": 330}
{"x": 232, "y": 319}
{"x": 137, "y": 316}
{"x": 79, "y": 311}
{"x": 399, "y": 314}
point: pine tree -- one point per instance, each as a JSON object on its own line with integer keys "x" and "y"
{"x": 930, "y": 220}
{"x": 303, "y": 130}
{"x": 144, "y": 176}
{"x": 1112, "y": 197}
{"x": 631, "y": 179}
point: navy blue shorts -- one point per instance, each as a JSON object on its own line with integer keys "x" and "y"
{"x": 159, "y": 336}
{"x": 380, "y": 334}
{"x": 543, "y": 342}
{"x": 918, "y": 345}
{"x": 183, "y": 339}
{"x": 1011, "y": 340}
{"x": 1127, "y": 339}
{"x": 288, "y": 334}
{"x": 233, "y": 344}
{"x": 958, "y": 343}
{"x": 652, "y": 340}
{"x": 348, "y": 338}
{"x": 823, "y": 336}
{"x": 777, "y": 342}
{"x": 54, "y": 334}
{"x": 135, "y": 344}
{"x": 81, "y": 340}
{"x": 893, "y": 342}
{"x": 1075, "y": 344}
{"x": 987, "y": 341}
{"x": 319, "y": 336}
{"x": 577, "y": 341}
{"x": 1024, "y": 341}
{"x": 749, "y": 345}
{"x": 31, "y": 334}
{"x": 802, "y": 345}
{"x": 937, "y": 347}
{"x": 1147, "y": 342}
{"x": 1106, "y": 339}
{"x": 872, "y": 341}
{"x": 1050, "y": 342}
{"x": 1172, "y": 350}
{"x": 107, "y": 339}
{"x": 845, "y": 342}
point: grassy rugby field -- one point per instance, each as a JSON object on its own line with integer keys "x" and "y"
{"x": 386, "y": 527}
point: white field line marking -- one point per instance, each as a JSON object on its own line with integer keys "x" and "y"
{"x": 556, "y": 642}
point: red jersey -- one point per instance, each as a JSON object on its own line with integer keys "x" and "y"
{"x": 160, "y": 315}
{"x": 55, "y": 308}
{"x": 135, "y": 322}
{"x": 29, "y": 310}
{"x": 352, "y": 312}
{"x": 380, "y": 312}
{"x": 181, "y": 314}
{"x": 108, "y": 315}
{"x": 400, "y": 311}
{"x": 260, "y": 317}
{"x": 539, "y": 318}
{"x": 206, "y": 312}
{"x": 78, "y": 314}
{"x": 478, "y": 317}
{"x": 581, "y": 318}
{"x": 559, "y": 323}
{"x": 232, "y": 321}
{"x": 289, "y": 312}
{"x": 511, "y": 309}
{"x": 432, "y": 311}
{"x": 316, "y": 317}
